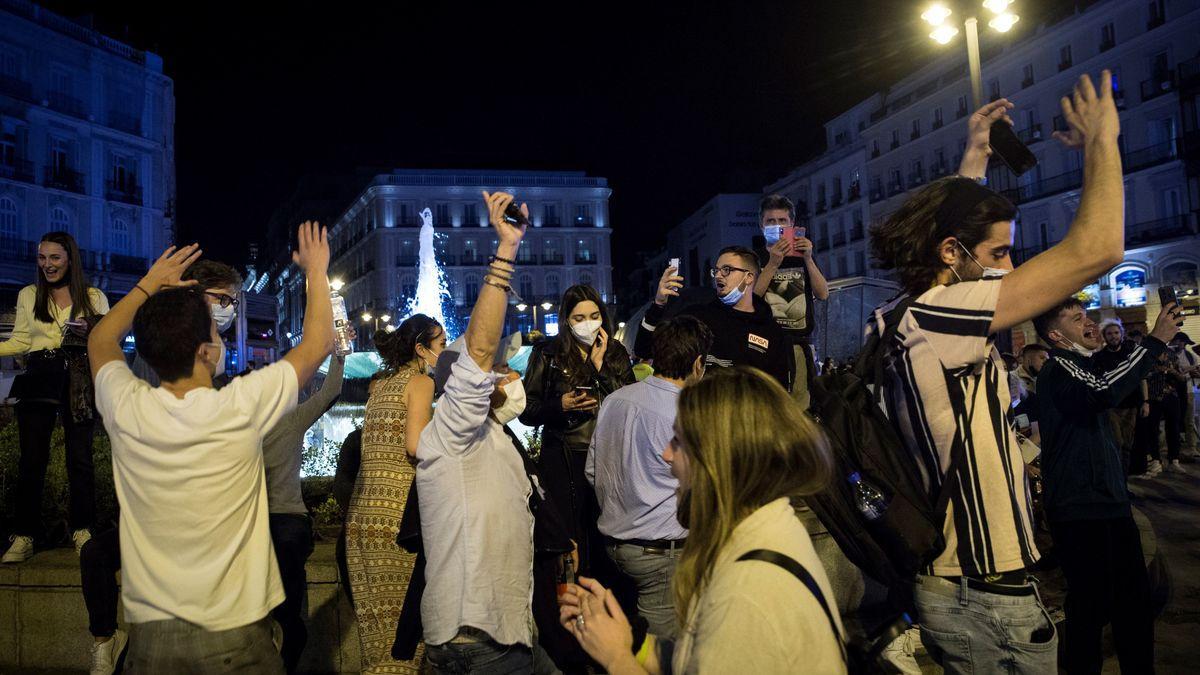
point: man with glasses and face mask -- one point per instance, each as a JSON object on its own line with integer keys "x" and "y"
{"x": 744, "y": 330}
{"x": 222, "y": 286}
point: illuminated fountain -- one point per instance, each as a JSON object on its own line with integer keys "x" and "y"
{"x": 431, "y": 281}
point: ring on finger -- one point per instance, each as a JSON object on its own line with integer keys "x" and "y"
{"x": 579, "y": 622}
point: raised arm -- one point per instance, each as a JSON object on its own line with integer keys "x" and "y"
{"x": 1096, "y": 239}
{"x": 104, "y": 342}
{"x": 487, "y": 318}
{"x": 312, "y": 256}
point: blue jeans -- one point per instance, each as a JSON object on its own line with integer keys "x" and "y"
{"x": 968, "y": 630}
{"x": 652, "y": 572}
{"x": 488, "y": 658}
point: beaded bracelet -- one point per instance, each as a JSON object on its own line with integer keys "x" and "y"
{"x": 494, "y": 258}
{"x": 496, "y": 284}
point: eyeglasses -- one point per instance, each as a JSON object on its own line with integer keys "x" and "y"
{"x": 223, "y": 299}
{"x": 724, "y": 271}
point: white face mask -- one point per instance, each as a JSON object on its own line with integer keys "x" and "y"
{"x": 514, "y": 405}
{"x": 219, "y": 366}
{"x": 586, "y": 331}
{"x": 223, "y": 316}
{"x": 990, "y": 272}
{"x": 1077, "y": 348}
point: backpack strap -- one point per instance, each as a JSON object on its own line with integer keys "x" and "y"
{"x": 797, "y": 570}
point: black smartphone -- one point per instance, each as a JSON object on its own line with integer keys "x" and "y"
{"x": 1167, "y": 295}
{"x": 1010, "y": 149}
{"x": 513, "y": 215}
{"x": 582, "y": 389}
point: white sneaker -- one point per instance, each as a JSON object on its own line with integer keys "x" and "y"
{"x": 1154, "y": 468}
{"x": 20, "y": 550}
{"x": 1176, "y": 467}
{"x": 106, "y": 654}
{"x": 80, "y": 537}
{"x": 901, "y": 652}
{"x": 1143, "y": 476}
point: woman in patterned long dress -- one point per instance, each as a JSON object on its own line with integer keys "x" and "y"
{"x": 399, "y": 407}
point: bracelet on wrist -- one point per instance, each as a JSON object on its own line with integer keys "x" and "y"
{"x": 144, "y": 291}
{"x": 499, "y": 258}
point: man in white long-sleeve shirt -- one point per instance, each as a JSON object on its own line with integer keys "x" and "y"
{"x": 476, "y": 524}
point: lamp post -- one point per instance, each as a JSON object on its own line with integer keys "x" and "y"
{"x": 367, "y": 317}
{"x": 944, "y": 30}
{"x": 546, "y": 306}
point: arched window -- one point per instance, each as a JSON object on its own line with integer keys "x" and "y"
{"x": 1182, "y": 275}
{"x": 118, "y": 236}
{"x": 10, "y": 224}
{"x": 525, "y": 287}
{"x": 553, "y": 287}
{"x": 60, "y": 220}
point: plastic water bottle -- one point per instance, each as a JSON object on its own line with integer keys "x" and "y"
{"x": 869, "y": 500}
{"x": 341, "y": 325}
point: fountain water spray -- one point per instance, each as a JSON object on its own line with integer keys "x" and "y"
{"x": 432, "y": 291}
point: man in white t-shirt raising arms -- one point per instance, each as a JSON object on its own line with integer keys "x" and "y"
{"x": 947, "y": 391}
{"x": 200, "y": 575}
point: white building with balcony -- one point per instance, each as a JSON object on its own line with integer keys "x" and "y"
{"x": 898, "y": 140}
{"x": 376, "y": 242}
{"x": 87, "y": 129}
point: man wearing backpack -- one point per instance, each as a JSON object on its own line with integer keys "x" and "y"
{"x": 945, "y": 387}
{"x": 1086, "y": 501}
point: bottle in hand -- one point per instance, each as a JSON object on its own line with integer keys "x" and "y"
{"x": 868, "y": 498}
{"x": 341, "y": 325}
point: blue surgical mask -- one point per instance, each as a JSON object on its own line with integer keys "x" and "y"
{"x": 772, "y": 234}
{"x": 733, "y": 296}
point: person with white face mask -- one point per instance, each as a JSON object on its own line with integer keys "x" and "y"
{"x": 568, "y": 377}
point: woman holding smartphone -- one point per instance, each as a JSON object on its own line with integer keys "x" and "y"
{"x": 59, "y": 304}
{"x": 567, "y": 379}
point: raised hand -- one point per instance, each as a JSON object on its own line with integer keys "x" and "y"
{"x": 312, "y": 252}
{"x": 1090, "y": 115}
{"x": 170, "y": 266}
{"x": 497, "y": 202}
{"x": 1168, "y": 322}
{"x": 979, "y": 125}
{"x": 778, "y": 251}
{"x": 668, "y": 286}
{"x": 804, "y": 247}
{"x": 599, "y": 349}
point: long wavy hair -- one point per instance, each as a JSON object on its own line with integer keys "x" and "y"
{"x": 81, "y": 303}
{"x": 567, "y": 348}
{"x": 747, "y": 444}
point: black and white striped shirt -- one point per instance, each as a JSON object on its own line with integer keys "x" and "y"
{"x": 947, "y": 388}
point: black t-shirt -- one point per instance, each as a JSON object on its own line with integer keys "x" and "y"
{"x": 1107, "y": 359}
{"x": 790, "y": 294}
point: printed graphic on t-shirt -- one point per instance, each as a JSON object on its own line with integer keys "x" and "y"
{"x": 786, "y": 295}
{"x": 757, "y": 343}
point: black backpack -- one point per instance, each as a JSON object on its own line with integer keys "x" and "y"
{"x": 908, "y": 536}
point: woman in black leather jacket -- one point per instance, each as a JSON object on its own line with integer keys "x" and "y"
{"x": 567, "y": 379}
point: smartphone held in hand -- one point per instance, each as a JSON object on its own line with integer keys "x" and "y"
{"x": 1010, "y": 149}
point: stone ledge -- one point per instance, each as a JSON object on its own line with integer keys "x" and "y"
{"x": 43, "y": 621}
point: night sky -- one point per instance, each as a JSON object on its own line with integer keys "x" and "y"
{"x": 672, "y": 102}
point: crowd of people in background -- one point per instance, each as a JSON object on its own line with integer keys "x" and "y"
{"x": 660, "y": 521}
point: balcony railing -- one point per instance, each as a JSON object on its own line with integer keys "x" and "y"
{"x": 1044, "y": 187}
{"x": 1137, "y": 160}
{"x": 16, "y": 87}
{"x": 470, "y": 259}
{"x": 20, "y": 169}
{"x": 1157, "y": 86}
{"x": 1030, "y": 135}
{"x": 895, "y": 189}
{"x": 916, "y": 178}
{"x": 61, "y": 178}
{"x": 854, "y": 193}
{"x": 65, "y": 103}
{"x": 585, "y": 259}
{"x": 937, "y": 124}
{"x": 1063, "y": 65}
{"x": 1159, "y": 230}
{"x": 406, "y": 261}
{"x": 1107, "y": 45}
{"x": 126, "y": 193}
{"x": 552, "y": 258}
{"x": 18, "y": 250}
{"x": 1189, "y": 72}
{"x": 124, "y": 121}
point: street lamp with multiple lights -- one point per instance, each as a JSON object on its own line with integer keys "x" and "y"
{"x": 546, "y": 306}
{"x": 367, "y": 317}
{"x": 938, "y": 16}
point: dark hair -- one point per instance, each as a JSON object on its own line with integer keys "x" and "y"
{"x": 776, "y": 201}
{"x": 399, "y": 348}
{"x": 81, "y": 302}
{"x": 1034, "y": 347}
{"x": 212, "y": 274}
{"x": 677, "y": 343}
{"x": 1045, "y": 323}
{"x": 169, "y": 327}
{"x": 566, "y": 346}
{"x": 908, "y": 240}
{"x": 748, "y": 257}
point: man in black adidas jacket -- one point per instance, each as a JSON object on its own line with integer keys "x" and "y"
{"x": 745, "y": 332}
{"x": 1086, "y": 501}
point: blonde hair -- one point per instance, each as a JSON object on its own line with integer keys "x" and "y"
{"x": 747, "y": 444}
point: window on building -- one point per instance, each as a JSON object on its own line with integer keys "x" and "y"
{"x": 472, "y": 290}
{"x": 441, "y": 214}
{"x": 550, "y": 212}
{"x": 860, "y": 262}
{"x": 553, "y": 286}
{"x": 895, "y": 138}
{"x": 10, "y": 224}
{"x": 470, "y": 250}
{"x": 1027, "y": 75}
{"x": 60, "y": 155}
{"x": 1108, "y": 37}
{"x": 1064, "y": 57}
{"x": 118, "y": 235}
{"x": 939, "y": 161}
{"x": 895, "y": 182}
{"x": 60, "y": 220}
{"x": 1160, "y": 66}
{"x": 1044, "y": 235}
{"x": 583, "y": 214}
{"x": 842, "y": 265}
{"x": 11, "y": 64}
{"x": 1181, "y": 275}
{"x": 583, "y": 251}
{"x": 408, "y": 288}
{"x": 525, "y": 287}
{"x": 124, "y": 174}
{"x": 470, "y": 215}
{"x": 916, "y": 129}
{"x": 875, "y": 148}
{"x": 406, "y": 213}
{"x": 8, "y": 145}
{"x": 962, "y": 107}
{"x": 1171, "y": 202}
{"x": 1157, "y": 14}
{"x": 937, "y": 118}
{"x": 585, "y": 279}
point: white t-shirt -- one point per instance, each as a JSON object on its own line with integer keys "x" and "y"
{"x": 195, "y": 539}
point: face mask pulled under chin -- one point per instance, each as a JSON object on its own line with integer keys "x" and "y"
{"x": 1078, "y": 348}
{"x": 514, "y": 405}
{"x": 985, "y": 272}
{"x": 733, "y": 296}
{"x": 219, "y": 366}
